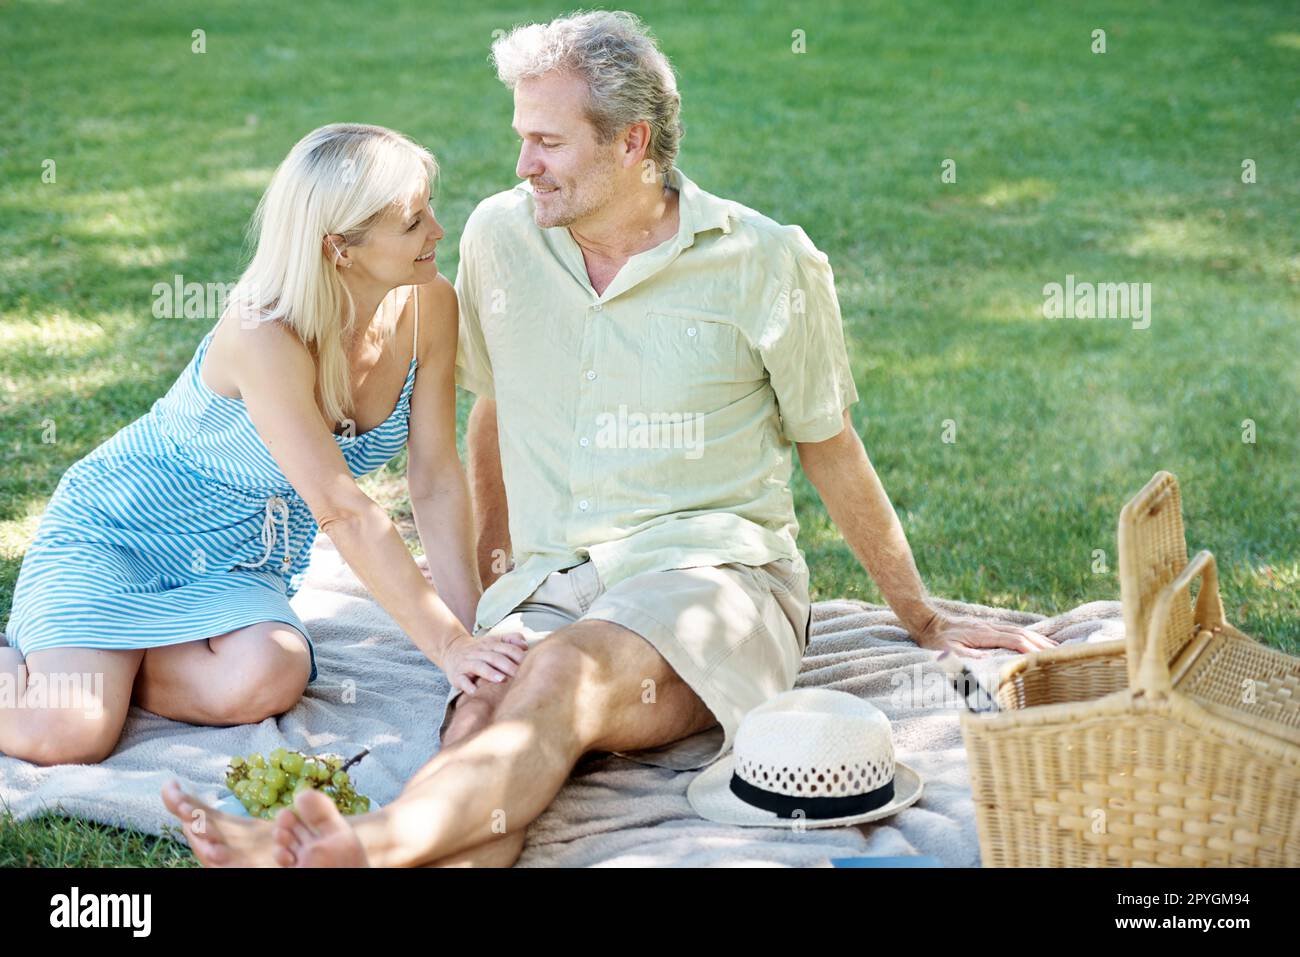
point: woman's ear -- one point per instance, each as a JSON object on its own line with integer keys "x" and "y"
{"x": 335, "y": 251}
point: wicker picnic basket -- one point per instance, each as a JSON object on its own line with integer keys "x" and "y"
{"x": 1178, "y": 745}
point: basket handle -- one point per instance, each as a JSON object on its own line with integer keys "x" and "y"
{"x": 1153, "y": 671}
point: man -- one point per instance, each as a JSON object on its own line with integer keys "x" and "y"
{"x": 644, "y": 356}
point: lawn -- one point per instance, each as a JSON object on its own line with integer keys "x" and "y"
{"x": 1007, "y": 441}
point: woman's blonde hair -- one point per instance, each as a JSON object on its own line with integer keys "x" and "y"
{"x": 338, "y": 179}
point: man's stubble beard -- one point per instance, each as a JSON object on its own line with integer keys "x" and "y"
{"x": 597, "y": 195}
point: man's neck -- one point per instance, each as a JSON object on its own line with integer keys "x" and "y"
{"x": 643, "y": 220}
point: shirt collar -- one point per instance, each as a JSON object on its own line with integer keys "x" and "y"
{"x": 698, "y": 211}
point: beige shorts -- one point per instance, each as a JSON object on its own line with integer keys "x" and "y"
{"x": 745, "y": 652}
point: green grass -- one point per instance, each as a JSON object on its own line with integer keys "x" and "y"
{"x": 1119, "y": 167}
{"x": 55, "y": 841}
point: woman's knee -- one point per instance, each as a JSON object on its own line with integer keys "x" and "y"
{"x": 72, "y": 706}
{"x": 51, "y": 736}
{"x": 266, "y": 667}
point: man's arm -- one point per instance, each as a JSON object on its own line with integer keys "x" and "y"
{"x": 860, "y": 508}
{"x": 488, "y": 489}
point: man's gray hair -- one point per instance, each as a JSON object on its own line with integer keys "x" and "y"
{"x": 629, "y": 78}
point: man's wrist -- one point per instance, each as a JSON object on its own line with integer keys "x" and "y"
{"x": 920, "y": 619}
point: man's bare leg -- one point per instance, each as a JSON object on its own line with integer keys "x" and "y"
{"x": 469, "y": 714}
{"x": 584, "y": 692}
{"x": 503, "y": 852}
{"x": 223, "y": 840}
{"x": 314, "y": 834}
{"x": 577, "y": 691}
{"x": 491, "y": 783}
{"x": 293, "y": 835}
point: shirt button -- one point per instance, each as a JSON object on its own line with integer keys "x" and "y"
{"x": 583, "y": 442}
{"x": 690, "y": 331}
{"x": 583, "y": 504}
{"x": 591, "y": 374}
{"x": 597, "y": 306}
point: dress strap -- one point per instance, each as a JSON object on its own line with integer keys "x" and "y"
{"x": 415, "y": 342}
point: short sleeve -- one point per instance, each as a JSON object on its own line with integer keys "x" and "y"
{"x": 473, "y": 364}
{"x": 804, "y": 352}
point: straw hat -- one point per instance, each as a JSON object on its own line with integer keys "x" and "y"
{"x": 810, "y": 757}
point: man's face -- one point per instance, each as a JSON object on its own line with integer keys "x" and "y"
{"x": 572, "y": 175}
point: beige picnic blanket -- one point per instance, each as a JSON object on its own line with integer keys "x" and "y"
{"x": 376, "y": 690}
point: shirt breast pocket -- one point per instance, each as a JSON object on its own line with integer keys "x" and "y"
{"x": 690, "y": 363}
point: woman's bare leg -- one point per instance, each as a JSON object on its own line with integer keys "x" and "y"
{"x": 64, "y": 705}
{"x": 241, "y": 677}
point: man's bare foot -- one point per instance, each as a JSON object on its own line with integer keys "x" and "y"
{"x": 313, "y": 833}
{"x": 219, "y": 839}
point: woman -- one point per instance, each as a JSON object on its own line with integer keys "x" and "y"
{"x": 166, "y": 558}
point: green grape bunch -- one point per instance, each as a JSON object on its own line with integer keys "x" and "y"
{"x": 264, "y": 785}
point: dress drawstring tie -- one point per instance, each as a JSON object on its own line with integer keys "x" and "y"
{"x": 273, "y": 503}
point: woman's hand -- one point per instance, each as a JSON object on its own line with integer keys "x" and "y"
{"x": 495, "y": 659}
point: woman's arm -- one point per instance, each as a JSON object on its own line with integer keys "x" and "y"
{"x": 439, "y": 494}
{"x": 276, "y": 377}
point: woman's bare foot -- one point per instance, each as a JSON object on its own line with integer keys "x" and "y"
{"x": 313, "y": 833}
{"x": 219, "y": 839}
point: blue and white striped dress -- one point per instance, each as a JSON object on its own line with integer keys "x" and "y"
{"x": 179, "y": 527}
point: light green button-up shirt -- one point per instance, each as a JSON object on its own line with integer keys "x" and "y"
{"x": 649, "y": 427}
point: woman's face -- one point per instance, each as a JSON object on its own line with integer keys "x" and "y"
{"x": 398, "y": 250}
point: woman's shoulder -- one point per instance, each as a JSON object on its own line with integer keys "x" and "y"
{"x": 438, "y": 314}
{"x": 239, "y": 342}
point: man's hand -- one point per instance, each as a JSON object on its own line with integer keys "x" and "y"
{"x": 972, "y": 637}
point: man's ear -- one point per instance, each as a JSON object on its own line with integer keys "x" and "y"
{"x": 636, "y": 143}
{"x": 335, "y": 251}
